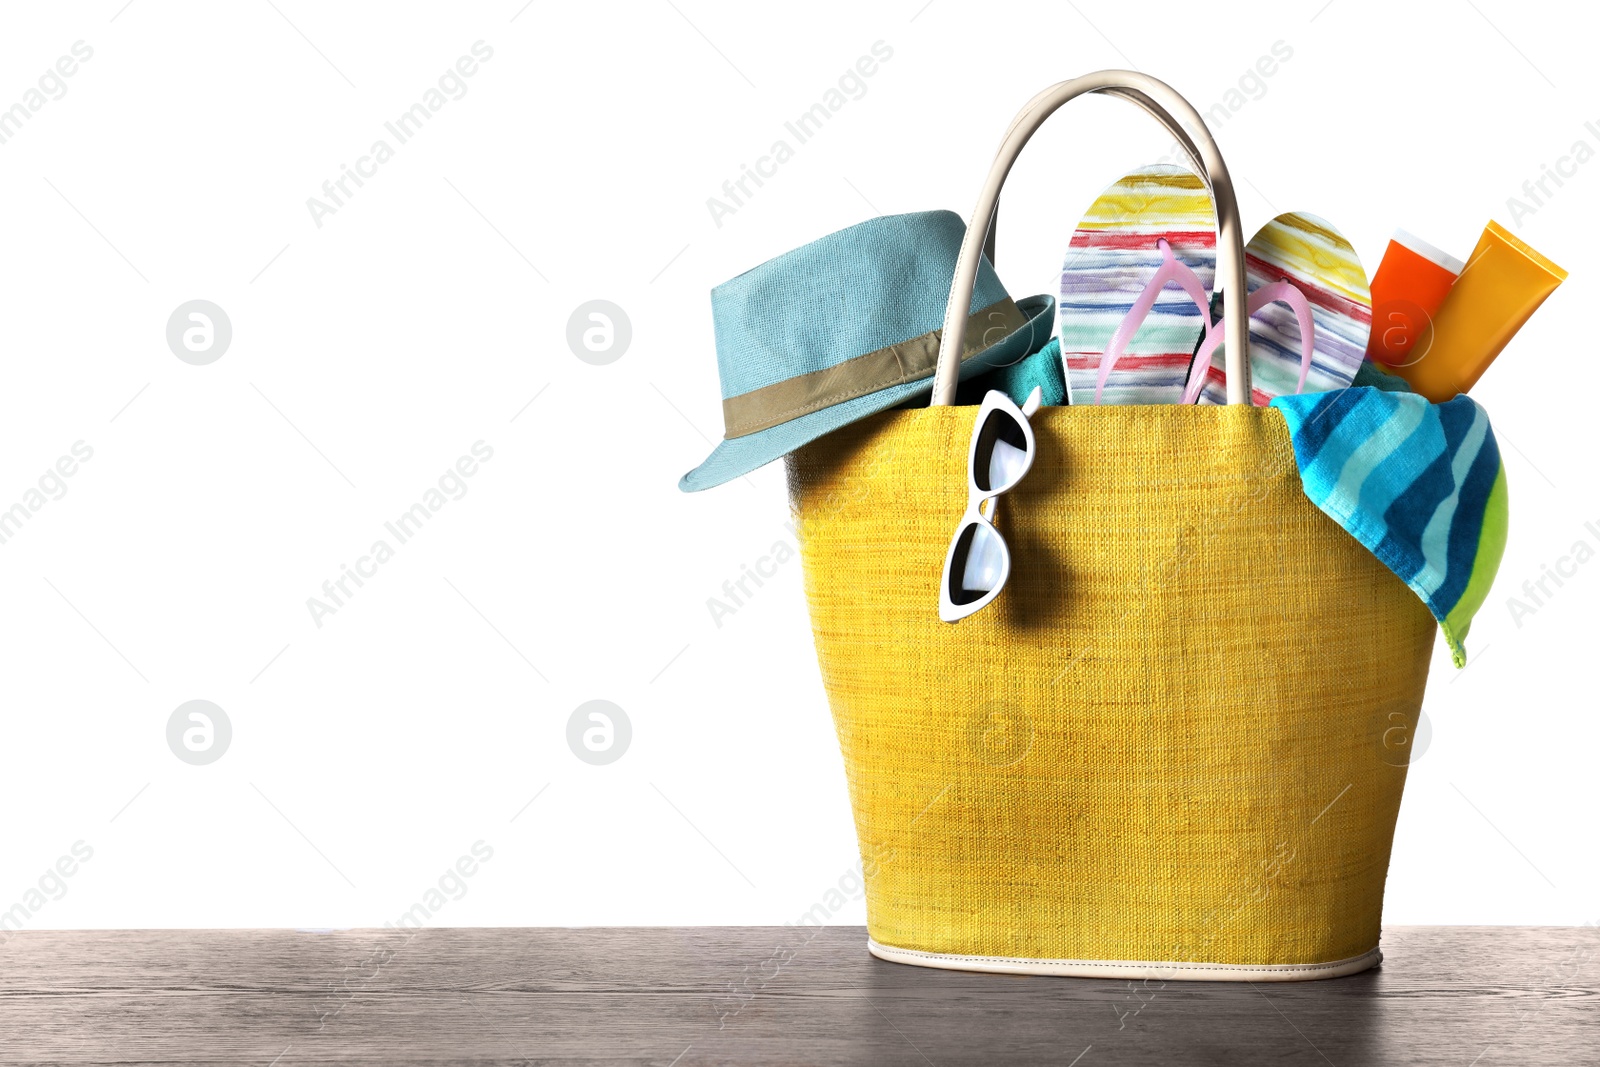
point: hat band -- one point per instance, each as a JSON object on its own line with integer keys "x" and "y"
{"x": 775, "y": 404}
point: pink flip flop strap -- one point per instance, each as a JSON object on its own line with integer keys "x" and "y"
{"x": 1267, "y": 294}
{"x": 1172, "y": 269}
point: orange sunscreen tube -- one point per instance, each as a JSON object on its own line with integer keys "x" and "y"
{"x": 1412, "y": 281}
{"x": 1503, "y": 283}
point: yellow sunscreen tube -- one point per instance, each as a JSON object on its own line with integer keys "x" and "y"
{"x": 1503, "y": 284}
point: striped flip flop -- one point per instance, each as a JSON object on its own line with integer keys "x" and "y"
{"x": 1310, "y": 254}
{"x": 1113, "y": 255}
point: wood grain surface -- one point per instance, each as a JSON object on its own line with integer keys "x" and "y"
{"x": 1455, "y": 996}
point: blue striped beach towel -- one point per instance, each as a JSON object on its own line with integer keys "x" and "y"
{"x": 1421, "y": 485}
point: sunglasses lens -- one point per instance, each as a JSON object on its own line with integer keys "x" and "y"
{"x": 1002, "y": 452}
{"x": 979, "y": 564}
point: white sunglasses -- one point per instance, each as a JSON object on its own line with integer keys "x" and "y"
{"x": 978, "y": 562}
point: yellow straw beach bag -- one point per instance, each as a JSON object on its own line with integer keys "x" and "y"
{"x": 1161, "y": 752}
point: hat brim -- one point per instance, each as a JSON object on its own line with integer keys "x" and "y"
{"x": 741, "y": 455}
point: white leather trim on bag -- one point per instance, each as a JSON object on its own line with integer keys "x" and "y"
{"x": 1192, "y": 972}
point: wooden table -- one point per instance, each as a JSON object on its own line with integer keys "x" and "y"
{"x": 1455, "y": 996}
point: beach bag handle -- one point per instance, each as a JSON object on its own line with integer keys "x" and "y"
{"x": 1162, "y": 102}
{"x": 1133, "y": 96}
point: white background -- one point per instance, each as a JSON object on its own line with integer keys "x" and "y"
{"x": 368, "y": 354}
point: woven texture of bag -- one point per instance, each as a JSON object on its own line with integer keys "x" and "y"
{"x": 1164, "y": 742}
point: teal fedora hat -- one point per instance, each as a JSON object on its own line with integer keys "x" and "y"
{"x": 848, "y": 326}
